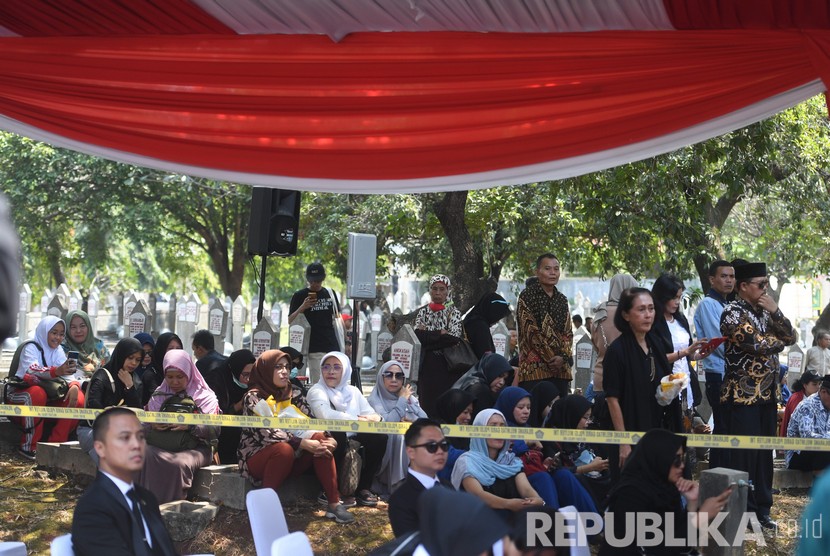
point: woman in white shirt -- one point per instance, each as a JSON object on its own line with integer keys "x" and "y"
{"x": 817, "y": 358}
{"x": 333, "y": 397}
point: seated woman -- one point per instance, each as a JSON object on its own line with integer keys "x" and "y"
{"x": 492, "y": 472}
{"x": 454, "y": 407}
{"x": 149, "y": 344}
{"x": 169, "y": 474}
{"x": 557, "y": 486}
{"x": 92, "y": 353}
{"x": 489, "y": 310}
{"x": 574, "y": 412}
{"x": 652, "y": 481}
{"x": 333, "y": 397}
{"x": 43, "y": 359}
{"x": 154, "y": 376}
{"x": 395, "y": 402}
{"x": 485, "y": 380}
{"x": 270, "y": 456}
{"x": 112, "y": 384}
{"x": 238, "y": 369}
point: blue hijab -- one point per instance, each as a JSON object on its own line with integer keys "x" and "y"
{"x": 507, "y": 400}
{"x": 476, "y": 463}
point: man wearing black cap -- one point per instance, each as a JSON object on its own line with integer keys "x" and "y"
{"x": 811, "y": 419}
{"x": 319, "y": 308}
{"x": 756, "y": 333}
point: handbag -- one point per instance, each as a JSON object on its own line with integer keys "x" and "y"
{"x": 459, "y": 357}
{"x": 348, "y": 475}
{"x": 56, "y": 388}
{"x": 174, "y": 441}
{"x": 533, "y": 462}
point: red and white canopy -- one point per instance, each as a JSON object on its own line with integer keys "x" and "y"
{"x": 382, "y": 96}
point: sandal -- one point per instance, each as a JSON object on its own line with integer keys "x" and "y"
{"x": 367, "y": 498}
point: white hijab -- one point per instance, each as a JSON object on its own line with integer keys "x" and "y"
{"x": 342, "y": 396}
{"x": 54, "y": 357}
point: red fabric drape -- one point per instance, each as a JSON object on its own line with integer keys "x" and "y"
{"x": 392, "y": 106}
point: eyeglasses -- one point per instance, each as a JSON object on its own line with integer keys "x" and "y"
{"x": 327, "y": 368}
{"x": 433, "y": 446}
{"x": 762, "y": 284}
{"x": 281, "y": 367}
{"x": 396, "y": 376}
{"x": 679, "y": 460}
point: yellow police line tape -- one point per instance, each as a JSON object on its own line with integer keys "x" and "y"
{"x": 460, "y": 431}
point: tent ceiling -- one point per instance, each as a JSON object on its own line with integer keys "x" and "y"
{"x": 400, "y": 95}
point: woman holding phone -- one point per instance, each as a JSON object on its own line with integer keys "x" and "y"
{"x": 44, "y": 360}
{"x": 80, "y": 338}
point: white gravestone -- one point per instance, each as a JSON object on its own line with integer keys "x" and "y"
{"x": 217, "y": 323}
{"x": 501, "y": 339}
{"x": 406, "y": 349}
{"x": 376, "y": 322}
{"x": 583, "y": 362}
{"x": 24, "y": 303}
{"x": 795, "y": 361}
{"x": 44, "y": 302}
{"x": 93, "y": 304}
{"x": 129, "y": 302}
{"x": 299, "y": 334}
{"x": 75, "y": 300}
{"x": 384, "y": 343}
{"x": 239, "y": 313}
{"x": 264, "y": 337}
{"x": 140, "y": 319}
{"x": 57, "y": 307}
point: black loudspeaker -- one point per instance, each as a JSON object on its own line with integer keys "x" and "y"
{"x": 275, "y": 222}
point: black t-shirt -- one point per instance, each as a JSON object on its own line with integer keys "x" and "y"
{"x": 319, "y": 316}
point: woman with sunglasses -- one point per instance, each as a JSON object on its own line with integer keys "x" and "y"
{"x": 333, "y": 397}
{"x": 490, "y": 471}
{"x": 270, "y": 456}
{"x": 393, "y": 400}
{"x": 652, "y": 481}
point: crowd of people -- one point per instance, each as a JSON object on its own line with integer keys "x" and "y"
{"x": 645, "y": 379}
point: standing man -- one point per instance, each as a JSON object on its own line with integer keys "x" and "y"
{"x": 320, "y": 309}
{"x": 707, "y": 325}
{"x": 545, "y": 330}
{"x": 756, "y": 333}
{"x": 427, "y": 450}
{"x": 115, "y": 516}
{"x": 212, "y": 365}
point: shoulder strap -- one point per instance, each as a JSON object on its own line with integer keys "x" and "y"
{"x": 18, "y": 353}
{"x": 334, "y": 302}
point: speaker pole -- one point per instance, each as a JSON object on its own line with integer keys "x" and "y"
{"x": 262, "y": 289}
{"x": 356, "y": 382}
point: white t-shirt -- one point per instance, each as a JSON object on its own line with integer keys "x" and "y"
{"x": 681, "y": 339}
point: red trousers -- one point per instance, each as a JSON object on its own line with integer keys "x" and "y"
{"x": 33, "y": 426}
{"x": 276, "y": 462}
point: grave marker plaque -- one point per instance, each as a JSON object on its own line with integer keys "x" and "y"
{"x": 583, "y": 363}
{"x": 384, "y": 342}
{"x": 129, "y": 303}
{"x": 795, "y": 361}
{"x": 239, "y": 313}
{"x": 406, "y": 349}
{"x": 501, "y": 339}
{"x": 140, "y": 319}
{"x": 57, "y": 307}
{"x": 264, "y": 337}
{"x": 217, "y": 323}
{"x": 299, "y": 334}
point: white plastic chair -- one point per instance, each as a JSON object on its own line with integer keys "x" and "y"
{"x": 62, "y": 546}
{"x": 578, "y": 543}
{"x": 293, "y": 544}
{"x": 267, "y": 519}
{"x": 13, "y": 548}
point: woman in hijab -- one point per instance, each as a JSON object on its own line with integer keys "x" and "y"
{"x": 112, "y": 384}
{"x": 603, "y": 331}
{"x": 153, "y": 377}
{"x": 92, "y": 353}
{"x": 333, "y": 397}
{"x": 437, "y": 326}
{"x": 148, "y": 344}
{"x": 652, "y": 481}
{"x": 489, "y": 310}
{"x": 574, "y": 412}
{"x": 485, "y": 380}
{"x": 237, "y": 373}
{"x": 167, "y": 474}
{"x": 454, "y": 407}
{"x": 542, "y": 398}
{"x": 490, "y": 471}
{"x": 393, "y": 401}
{"x": 556, "y": 486}
{"x": 270, "y": 456}
{"x": 44, "y": 359}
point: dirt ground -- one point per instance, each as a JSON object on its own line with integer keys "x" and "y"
{"x": 35, "y": 507}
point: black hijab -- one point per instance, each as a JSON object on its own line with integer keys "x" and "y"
{"x": 491, "y": 308}
{"x": 449, "y": 406}
{"x": 646, "y": 473}
{"x": 123, "y": 349}
{"x": 568, "y": 411}
{"x": 485, "y": 371}
{"x": 540, "y": 397}
{"x": 236, "y": 363}
{"x": 160, "y": 349}
{"x": 457, "y": 523}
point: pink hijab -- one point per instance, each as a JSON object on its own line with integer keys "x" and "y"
{"x": 196, "y": 387}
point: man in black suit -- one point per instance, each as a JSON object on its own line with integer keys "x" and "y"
{"x": 212, "y": 365}
{"x": 115, "y": 516}
{"x": 427, "y": 450}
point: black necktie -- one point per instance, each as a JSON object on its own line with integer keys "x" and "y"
{"x": 133, "y": 495}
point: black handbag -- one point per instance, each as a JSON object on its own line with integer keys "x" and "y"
{"x": 175, "y": 441}
{"x": 459, "y": 357}
{"x": 56, "y": 388}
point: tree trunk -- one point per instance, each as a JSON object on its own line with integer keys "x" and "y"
{"x": 53, "y": 255}
{"x": 468, "y": 284}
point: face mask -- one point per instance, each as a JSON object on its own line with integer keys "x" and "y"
{"x": 241, "y": 385}
{"x": 294, "y": 372}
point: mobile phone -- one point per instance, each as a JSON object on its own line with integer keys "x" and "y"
{"x": 313, "y": 295}
{"x": 74, "y": 356}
